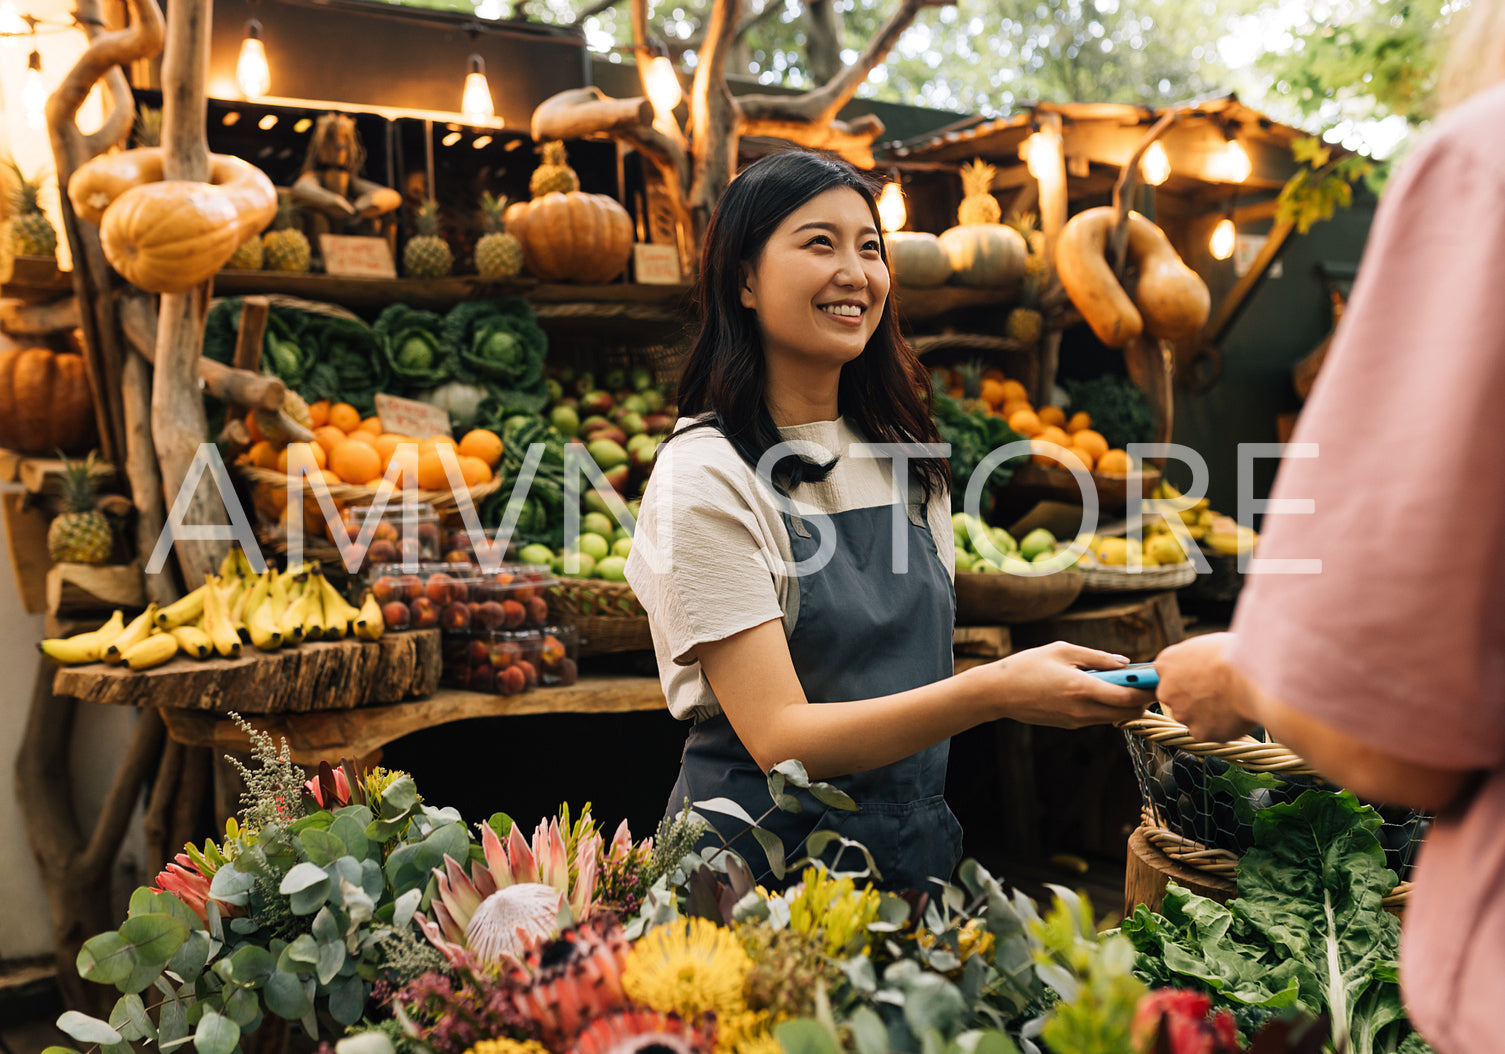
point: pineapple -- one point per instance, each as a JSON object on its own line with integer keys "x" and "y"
{"x": 426, "y": 255}
{"x": 284, "y": 247}
{"x": 248, "y": 256}
{"x": 554, "y": 173}
{"x": 1025, "y": 323}
{"x": 979, "y": 205}
{"x": 149, "y": 126}
{"x": 1028, "y": 226}
{"x": 971, "y": 378}
{"x": 79, "y": 534}
{"x": 30, "y": 232}
{"x": 498, "y": 254}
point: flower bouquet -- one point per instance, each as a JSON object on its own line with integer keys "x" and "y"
{"x": 381, "y": 925}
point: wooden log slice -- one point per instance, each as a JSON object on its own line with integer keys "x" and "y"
{"x": 322, "y": 675}
{"x": 1149, "y": 871}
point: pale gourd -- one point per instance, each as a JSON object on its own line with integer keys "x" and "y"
{"x": 985, "y": 255}
{"x": 917, "y": 259}
{"x": 170, "y": 236}
{"x": 573, "y": 237}
{"x": 1170, "y": 300}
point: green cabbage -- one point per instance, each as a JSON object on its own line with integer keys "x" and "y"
{"x": 411, "y": 343}
{"x": 499, "y": 344}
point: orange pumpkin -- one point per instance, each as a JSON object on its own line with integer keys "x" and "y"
{"x": 45, "y": 405}
{"x": 574, "y": 237}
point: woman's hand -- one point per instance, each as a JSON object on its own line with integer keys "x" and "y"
{"x": 1047, "y": 686}
{"x": 1202, "y": 691}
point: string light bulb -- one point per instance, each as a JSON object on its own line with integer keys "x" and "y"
{"x": 1043, "y": 156}
{"x": 891, "y": 208}
{"x": 662, "y": 86}
{"x": 11, "y": 24}
{"x": 251, "y": 70}
{"x": 1222, "y": 240}
{"x": 475, "y": 100}
{"x": 1154, "y": 165}
{"x": 1235, "y": 162}
{"x": 33, "y": 91}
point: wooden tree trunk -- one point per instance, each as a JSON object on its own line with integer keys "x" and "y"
{"x": 178, "y": 422}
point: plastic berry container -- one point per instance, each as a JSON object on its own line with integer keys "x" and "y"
{"x": 558, "y": 655}
{"x": 515, "y": 596}
{"x": 423, "y": 595}
{"x": 406, "y": 533}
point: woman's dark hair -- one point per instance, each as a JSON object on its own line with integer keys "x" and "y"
{"x": 884, "y": 392}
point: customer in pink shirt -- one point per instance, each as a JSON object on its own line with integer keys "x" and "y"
{"x": 1386, "y": 670}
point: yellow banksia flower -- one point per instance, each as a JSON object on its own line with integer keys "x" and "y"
{"x": 688, "y": 968}
{"x": 508, "y": 1046}
{"x": 746, "y": 1033}
{"x": 834, "y": 908}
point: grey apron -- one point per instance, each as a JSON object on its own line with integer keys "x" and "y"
{"x": 862, "y": 631}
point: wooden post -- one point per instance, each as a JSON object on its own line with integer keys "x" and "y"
{"x": 178, "y": 422}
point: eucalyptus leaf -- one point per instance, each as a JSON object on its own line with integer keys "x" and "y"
{"x": 352, "y": 833}
{"x": 289, "y": 996}
{"x": 251, "y": 965}
{"x": 372, "y": 880}
{"x": 242, "y": 1007}
{"x": 788, "y": 803}
{"x": 727, "y": 806}
{"x": 301, "y": 877}
{"x": 325, "y": 928}
{"x": 406, "y": 905}
{"x": 310, "y": 899}
{"x": 833, "y": 797}
{"x": 932, "y": 1002}
{"x": 55, "y": 1049}
{"x": 231, "y": 885}
{"x": 189, "y": 961}
{"x": 773, "y": 848}
{"x": 365, "y": 1043}
{"x": 399, "y": 797}
{"x": 348, "y": 1001}
{"x": 805, "y": 1036}
{"x": 87, "y": 1029}
{"x": 451, "y": 840}
{"x": 304, "y": 949}
{"x": 331, "y": 958}
{"x": 358, "y": 905}
{"x": 107, "y": 958}
{"x": 116, "y": 1048}
{"x": 869, "y": 1034}
{"x": 216, "y": 1034}
{"x": 323, "y": 847}
{"x": 130, "y": 1019}
{"x": 791, "y": 770}
{"x": 172, "y": 1023}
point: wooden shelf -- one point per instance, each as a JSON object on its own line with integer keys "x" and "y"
{"x": 36, "y": 280}
{"x": 918, "y": 305}
{"x": 42, "y": 474}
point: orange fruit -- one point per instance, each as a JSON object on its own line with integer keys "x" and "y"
{"x": 372, "y": 425}
{"x": 1087, "y": 439}
{"x": 1014, "y": 392}
{"x": 253, "y": 427}
{"x": 406, "y": 462}
{"x": 362, "y": 436}
{"x": 344, "y": 417}
{"x": 328, "y": 437}
{"x": 433, "y": 441}
{"x": 331, "y": 478}
{"x": 263, "y": 454}
{"x": 1045, "y": 454}
{"x": 1025, "y": 422}
{"x": 475, "y": 470}
{"x": 1052, "y": 434}
{"x": 1086, "y": 457}
{"x": 318, "y": 414}
{"x": 355, "y": 462}
{"x": 484, "y": 444}
{"x": 992, "y": 392}
{"x": 1079, "y": 420}
{"x": 1052, "y": 415}
{"x": 297, "y": 455}
{"x": 388, "y": 442}
{"x": 1115, "y": 463}
{"x": 1072, "y": 458}
{"x": 431, "y": 473}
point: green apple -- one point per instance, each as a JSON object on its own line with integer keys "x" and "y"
{"x": 583, "y": 564}
{"x": 607, "y": 453}
{"x": 622, "y": 547}
{"x": 963, "y": 559}
{"x": 620, "y": 533}
{"x": 535, "y": 554}
{"x": 1036, "y": 542}
{"x": 613, "y": 569}
{"x": 594, "y": 546}
{"x": 565, "y": 420}
{"x": 1015, "y": 566}
{"x": 1003, "y": 539}
{"x": 596, "y": 523}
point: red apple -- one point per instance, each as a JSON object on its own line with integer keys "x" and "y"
{"x": 387, "y": 588}
{"x": 490, "y": 615}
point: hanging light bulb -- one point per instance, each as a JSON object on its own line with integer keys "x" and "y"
{"x": 475, "y": 100}
{"x": 251, "y": 70}
{"x": 11, "y": 24}
{"x": 1154, "y": 166}
{"x": 1043, "y": 157}
{"x": 891, "y": 207}
{"x": 1223, "y": 237}
{"x": 33, "y": 91}
{"x": 662, "y": 85}
{"x": 1236, "y": 164}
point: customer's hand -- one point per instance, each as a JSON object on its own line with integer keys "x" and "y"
{"x": 1201, "y": 690}
{"x": 1047, "y": 686}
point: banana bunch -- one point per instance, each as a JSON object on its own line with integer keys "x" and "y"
{"x": 1215, "y": 531}
{"x": 231, "y": 609}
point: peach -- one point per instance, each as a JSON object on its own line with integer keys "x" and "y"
{"x": 455, "y": 617}
{"x": 425, "y": 613}
{"x": 396, "y": 615}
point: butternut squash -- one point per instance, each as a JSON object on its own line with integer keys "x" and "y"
{"x": 169, "y": 236}
{"x": 1170, "y": 300}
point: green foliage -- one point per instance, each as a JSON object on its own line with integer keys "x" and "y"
{"x": 410, "y": 341}
{"x": 1320, "y": 188}
{"x": 1307, "y": 929}
{"x": 499, "y": 343}
{"x": 540, "y": 516}
{"x": 1117, "y": 409}
{"x": 1093, "y": 975}
{"x": 973, "y": 437}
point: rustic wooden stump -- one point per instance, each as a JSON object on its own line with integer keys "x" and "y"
{"x": 1137, "y": 625}
{"x": 1150, "y": 871}
{"x": 322, "y": 675}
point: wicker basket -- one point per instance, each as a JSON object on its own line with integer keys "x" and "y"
{"x": 988, "y": 599}
{"x": 1106, "y": 578}
{"x": 1191, "y": 813}
{"x": 607, "y": 615}
{"x": 443, "y": 501}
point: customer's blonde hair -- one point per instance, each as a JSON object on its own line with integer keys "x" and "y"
{"x": 1475, "y": 57}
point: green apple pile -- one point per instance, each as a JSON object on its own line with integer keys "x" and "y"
{"x": 600, "y": 551}
{"x": 621, "y": 417}
{"x": 992, "y": 550}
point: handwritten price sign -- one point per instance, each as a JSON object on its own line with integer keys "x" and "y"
{"x": 361, "y": 257}
{"x": 409, "y": 418}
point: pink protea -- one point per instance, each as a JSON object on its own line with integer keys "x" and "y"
{"x": 185, "y": 881}
{"x": 341, "y": 787}
{"x": 523, "y": 913}
{"x": 622, "y": 847}
{"x": 1182, "y": 1016}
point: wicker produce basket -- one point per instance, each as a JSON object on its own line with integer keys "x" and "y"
{"x": 443, "y": 501}
{"x": 1197, "y": 799}
{"x": 1105, "y": 578}
{"x": 607, "y": 615}
{"x": 987, "y": 599}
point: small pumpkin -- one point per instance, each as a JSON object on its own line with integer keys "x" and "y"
{"x": 574, "y": 237}
{"x": 170, "y": 236}
{"x": 985, "y": 255}
{"x": 45, "y": 405}
{"x": 917, "y": 259}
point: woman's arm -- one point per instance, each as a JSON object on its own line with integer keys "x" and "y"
{"x": 753, "y": 677}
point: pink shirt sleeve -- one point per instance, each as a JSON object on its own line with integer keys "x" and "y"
{"x": 1400, "y": 639}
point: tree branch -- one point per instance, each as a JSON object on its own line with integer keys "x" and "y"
{"x": 823, "y": 103}
{"x": 117, "y": 125}
{"x": 853, "y": 141}
{"x": 108, "y": 51}
{"x": 578, "y": 112}
{"x": 677, "y": 48}
{"x": 600, "y": 7}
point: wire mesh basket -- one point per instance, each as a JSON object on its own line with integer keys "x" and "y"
{"x": 1198, "y": 800}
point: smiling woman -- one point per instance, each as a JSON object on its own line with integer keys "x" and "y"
{"x": 794, "y": 544}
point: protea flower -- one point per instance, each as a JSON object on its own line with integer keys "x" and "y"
{"x": 185, "y": 881}
{"x": 634, "y": 1031}
{"x": 315, "y": 786}
{"x": 499, "y": 908}
{"x": 1182, "y": 1016}
{"x": 564, "y": 984}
